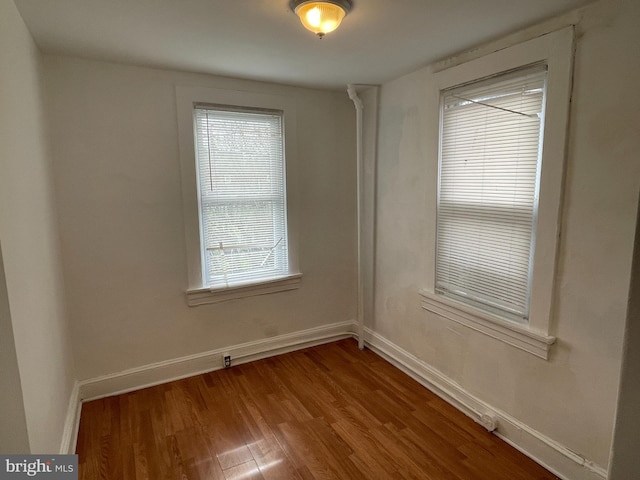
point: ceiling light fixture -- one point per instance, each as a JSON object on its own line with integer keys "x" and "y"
{"x": 321, "y": 17}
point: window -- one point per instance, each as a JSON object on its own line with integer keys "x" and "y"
{"x": 239, "y": 170}
{"x": 498, "y": 147}
{"x": 490, "y": 140}
{"x": 241, "y": 186}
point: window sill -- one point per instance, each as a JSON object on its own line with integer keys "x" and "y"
{"x": 519, "y": 336}
{"x": 204, "y": 296}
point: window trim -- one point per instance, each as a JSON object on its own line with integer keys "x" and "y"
{"x": 186, "y": 98}
{"x": 276, "y": 198}
{"x": 202, "y": 296}
{"x": 487, "y": 307}
{"x": 515, "y": 334}
{"x": 555, "y": 49}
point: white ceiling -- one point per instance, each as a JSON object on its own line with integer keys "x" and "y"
{"x": 264, "y": 40}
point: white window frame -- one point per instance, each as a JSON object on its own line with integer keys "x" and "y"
{"x": 556, "y": 51}
{"x": 186, "y": 99}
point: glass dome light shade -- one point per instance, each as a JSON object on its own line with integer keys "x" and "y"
{"x": 320, "y": 17}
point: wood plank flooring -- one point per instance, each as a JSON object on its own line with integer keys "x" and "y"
{"x": 327, "y": 412}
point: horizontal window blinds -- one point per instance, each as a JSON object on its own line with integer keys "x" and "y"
{"x": 487, "y": 196}
{"x": 241, "y": 183}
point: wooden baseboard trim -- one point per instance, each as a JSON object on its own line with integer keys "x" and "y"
{"x": 555, "y": 457}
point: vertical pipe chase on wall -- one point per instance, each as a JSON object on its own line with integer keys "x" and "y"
{"x": 366, "y": 141}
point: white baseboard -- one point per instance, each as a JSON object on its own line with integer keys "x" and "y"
{"x": 71, "y": 422}
{"x": 169, "y": 370}
{"x": 557, "y": 458}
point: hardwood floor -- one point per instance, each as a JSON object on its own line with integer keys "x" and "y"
{"x": 328, "y": 412}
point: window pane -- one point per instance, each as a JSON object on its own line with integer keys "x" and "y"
{"x": 487, "y": 198}
{"x": 241, "y": 184}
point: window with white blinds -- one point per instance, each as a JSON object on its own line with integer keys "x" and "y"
{"x": 242, "y": 195}
{"x": 490, "y": 151}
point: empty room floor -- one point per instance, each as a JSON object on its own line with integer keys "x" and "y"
{"x": 326, "y": 412}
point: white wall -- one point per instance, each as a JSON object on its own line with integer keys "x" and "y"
{"x": 572, "y": 397}
{"x": 13, "y": 423}
{"x": 624, "y": 458}
{"x": 117, "y": 174}
{"x": 29, "y": 239}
